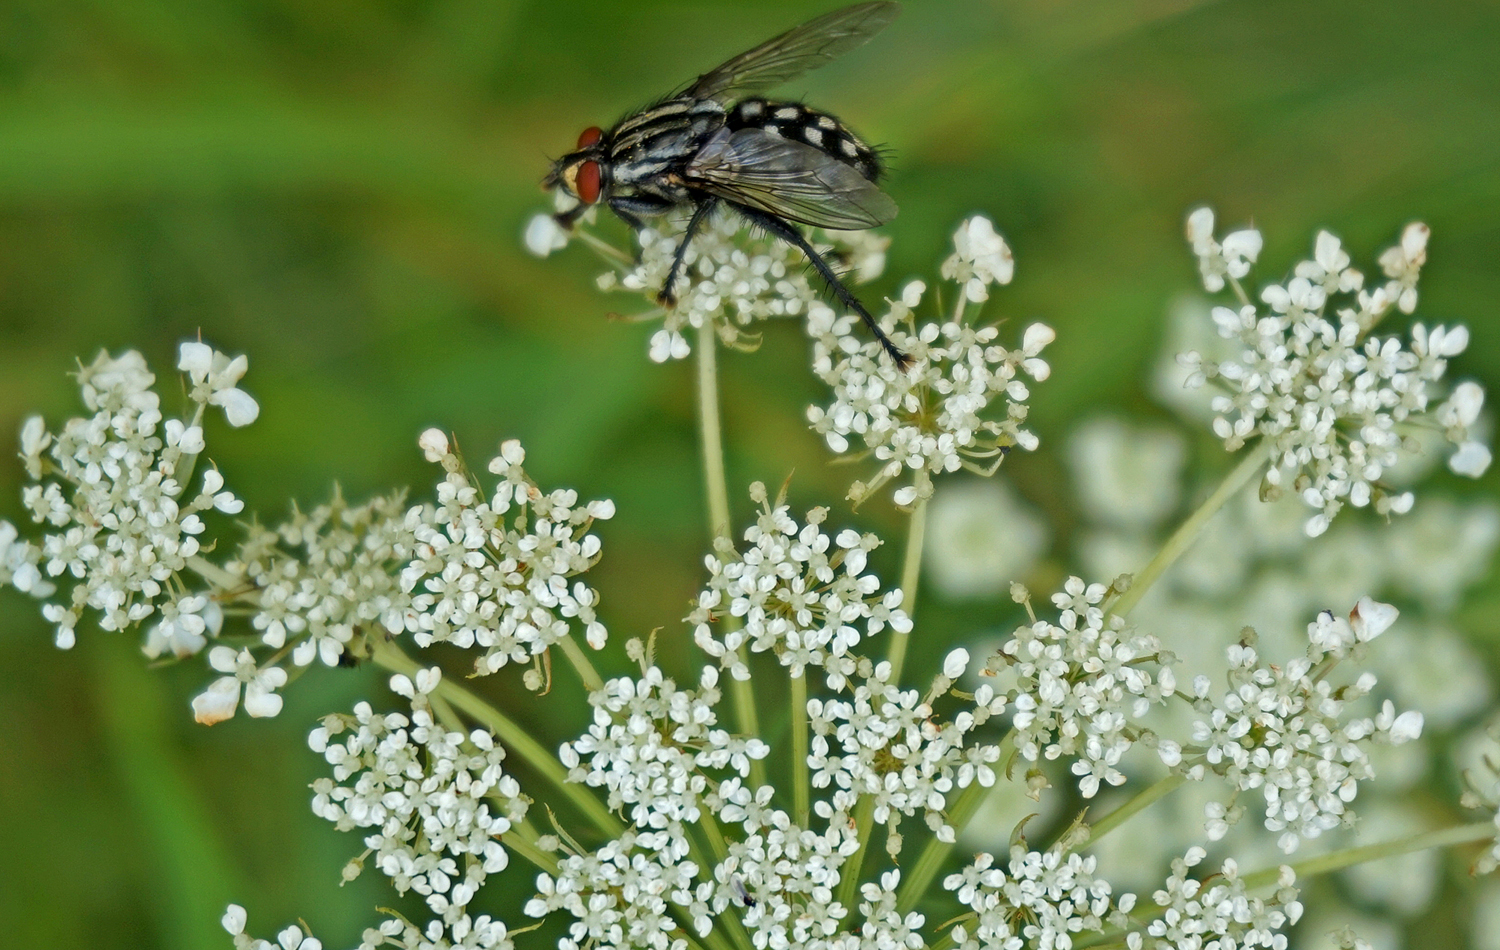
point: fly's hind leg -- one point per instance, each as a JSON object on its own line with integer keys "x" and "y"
{"x": 778, "y": 228}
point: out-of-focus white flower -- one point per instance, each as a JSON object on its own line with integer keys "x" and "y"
{"x": 544, "y": 235}
{"x": 183, "y": 626}
{"x": 981, "y": 537}
{"x": 1408, "y": 883}
{"x": 1403, "y": 263}
{"x": 1127, "y": 476}
{"x": 214, "y": 376}
{"x": 980, "y": 258}
{"x": 1231, "y": 259}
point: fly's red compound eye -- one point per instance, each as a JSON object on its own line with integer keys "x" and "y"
{"x": 588, "y": 182}
{"x": 589, "y": 136}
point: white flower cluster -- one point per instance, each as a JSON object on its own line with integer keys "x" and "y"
{"x": 1082, "y": 685}
{"x": 934, "y": 416}
{"x": 651, "y": 744}
{"x": 1041, "y": 899}
{"x": 796, "y": 592}
{"x": 465, "y": 933}
{"x": 431, "y": 797}
{"x": 1286, "y": 731}
{"x": 1219, "y": 914}
{"x": 1336, "y": 405}
{"x": 291, "y": 938}
{"x": 624, "y": 894}
{"x": 886, "y": 745}
{"x": 326, "y": 573}
{"x": 494, "y": 572}
{"x": 725, "y": 283}
{"x": 112, "y": 490}
{"x": 784, "y": 876}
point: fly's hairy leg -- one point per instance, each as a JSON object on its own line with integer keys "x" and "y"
{"x": 633, "y": 208}
{"x": 778, "y": 228}
{"x": 705, "y": 206}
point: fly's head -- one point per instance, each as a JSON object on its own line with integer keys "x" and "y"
{"x": 581, "y": 172}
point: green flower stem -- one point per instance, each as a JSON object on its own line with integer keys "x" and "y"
{"x": 1184, "y": 537}
{"x": 388, "y": 656}
{"x": 1338, "y": 860}
{"x": 801, "y": 783}
{"x": 715, "y": 937}
{"x": 864, "y": 826}
{"x": 580, "y": 661}
{"x": 1323, "y": 864}
{"x": 911, "y": 572}
{"x": 914, "y": 884}
{"x": 712, "y": 435}
{"x": 522, "y": 840}
{"x": 214, "y": 574}
{"x": 1143, "y": 800}
{"x": 719, "y": 525}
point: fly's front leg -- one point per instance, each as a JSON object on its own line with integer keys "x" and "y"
{"x": 706, "y": 205}
{"x": 632, "y": 208}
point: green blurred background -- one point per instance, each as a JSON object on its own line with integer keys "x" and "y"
{"x": 337, "y": 189}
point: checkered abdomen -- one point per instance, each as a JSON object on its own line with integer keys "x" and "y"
{"x": 822, "y": 131}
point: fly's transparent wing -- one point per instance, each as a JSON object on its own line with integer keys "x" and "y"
{"x": 788, "y": 179}
{"x": 813, "y": 44}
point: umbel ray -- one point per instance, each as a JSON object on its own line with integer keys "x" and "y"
{"x": 716, "y": 144}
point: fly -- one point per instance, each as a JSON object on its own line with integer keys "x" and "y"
{"x": 717, "y": 143}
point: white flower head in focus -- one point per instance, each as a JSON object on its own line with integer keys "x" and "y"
{"x": 1083, "y": 685}
{"x": 1291, "y": 734}
{"x": 731, "y": 278}
{"x": 798, "y": 593}
{"x": 962, "y": 401}
{"x": 1335, "y": 404}
{"x": 497, "y": 572}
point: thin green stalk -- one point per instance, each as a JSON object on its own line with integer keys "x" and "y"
{"x": 580, "y": 661}
{"x": 1323, "y": 864}
{"x": 521, "y": 838}
{"x": 1338, "y": 860}
{"x": 864, "y": 828}
{"x": 1143, "y": 800}
{"x": 914, "y": 884}
{"x": 911, "y": 572}
{"x": 1184, "y": 537}
{"x": 388, "y": 656}
{"x": 213, "y": 573}
{"x": 711, "y": 435}
{"x": 801, "y": 784}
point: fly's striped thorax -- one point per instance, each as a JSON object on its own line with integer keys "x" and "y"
{"x": 662, "y": 138}
{"x": 822, "y": 131}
